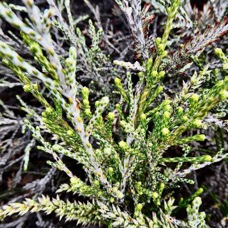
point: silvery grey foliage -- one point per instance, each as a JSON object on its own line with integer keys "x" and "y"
{"x": 118, "y": 117}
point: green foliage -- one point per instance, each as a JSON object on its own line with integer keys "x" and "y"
{"x": 121, "y": 139}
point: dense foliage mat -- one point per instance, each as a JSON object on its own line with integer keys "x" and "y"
{"x": 122, "y": 119}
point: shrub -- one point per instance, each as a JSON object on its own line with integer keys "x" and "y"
{"x": 120, "y": 119}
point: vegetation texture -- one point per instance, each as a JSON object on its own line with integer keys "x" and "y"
{"x": 115, "y": 119}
